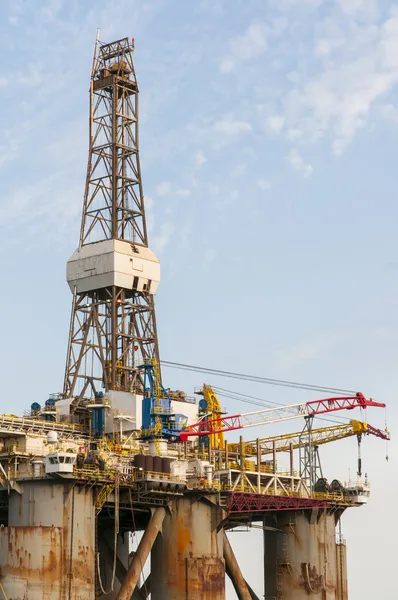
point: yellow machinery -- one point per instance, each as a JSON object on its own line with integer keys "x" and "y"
{"x": 323, "y": 435}
{"x": 212, "y": 407}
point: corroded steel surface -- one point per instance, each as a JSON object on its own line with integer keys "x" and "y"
{"x": 187, "y": 558}
{"x": 144, "y": 548}
{"x": 234, "y": 572}
{"x": 302, "y": 557}
{"x": 47, "y": 551}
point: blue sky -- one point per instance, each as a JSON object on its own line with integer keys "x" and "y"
{"x": 268, "y": 148}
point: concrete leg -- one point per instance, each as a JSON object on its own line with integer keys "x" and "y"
{"x": 140, "y": 558}
{"x": 234, "y": 571}
{"x": 187, "y": 558}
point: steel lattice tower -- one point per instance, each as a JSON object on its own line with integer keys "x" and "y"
{"x": 113, "y": 274}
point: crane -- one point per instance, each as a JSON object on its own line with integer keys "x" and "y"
{"x": 273, "y": 415}
{"x": 322, "y": 435}
{"x": 210, "y": 407}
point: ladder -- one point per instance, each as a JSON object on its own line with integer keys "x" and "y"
{"x": 103, "y": 495}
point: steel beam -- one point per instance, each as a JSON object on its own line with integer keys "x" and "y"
{"x": 140, "y": 558}
{"x": 187, "y": 559}
{"x": 256, "y": 503}
{"x": 234, "y": 571}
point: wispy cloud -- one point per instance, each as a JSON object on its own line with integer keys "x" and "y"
{"x": 167, "y": 188}
{"x": 389, "y": 111}
{"x": 13, "y": 139}
{"x": 264, "y": 184}
{"x": 275, "y": 123}
{"x": 229, "y": 126}
{"x": 298, "y": 163}
{"x": 243, "y": 48}
{"x": 291, "y": 357}
{"x": 357, "y": 66}
{"x": 163, "y": 237}
{"x": 360, "y": 7}
{"x": 200, "y": 159}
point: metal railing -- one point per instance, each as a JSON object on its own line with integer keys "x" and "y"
{"x": 14, "y": 423}
{"x": 30, "y": 450}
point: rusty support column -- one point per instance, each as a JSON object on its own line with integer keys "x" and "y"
{"x": 47, "y": 550}
{"x": 142, "y": 554}
{"x": 306, "y": 556}
{"x": 234, "y": 571}
{"x": 187, "y": 558}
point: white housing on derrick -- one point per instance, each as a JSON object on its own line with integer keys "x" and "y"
{"x": 113, "y": 262}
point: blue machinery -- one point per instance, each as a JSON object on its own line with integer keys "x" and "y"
{"x": 158, "y": 419}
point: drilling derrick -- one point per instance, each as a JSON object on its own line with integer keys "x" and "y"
{"x": 113, "y": 274}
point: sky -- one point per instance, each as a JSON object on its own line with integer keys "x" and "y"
{"x": 268, "y": 138}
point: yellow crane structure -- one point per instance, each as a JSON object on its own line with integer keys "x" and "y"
{"x": 211, "y": 410}
{"x": 322, "y": 435}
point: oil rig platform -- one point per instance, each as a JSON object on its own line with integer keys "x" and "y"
{"x": 116, "y": 453}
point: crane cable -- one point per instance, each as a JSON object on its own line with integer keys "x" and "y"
{"x": 257, "y": 378}
{"x": 266, "y": 380}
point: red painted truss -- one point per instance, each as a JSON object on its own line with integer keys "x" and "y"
{"x": 238, "y": 502}
{"x": 280, "y": 413}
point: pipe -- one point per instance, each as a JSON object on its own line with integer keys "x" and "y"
{"x": 234, "y": 571}
{"x": 140, "y": 558}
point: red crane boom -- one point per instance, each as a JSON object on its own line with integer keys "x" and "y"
{"x": 272, "y": 415}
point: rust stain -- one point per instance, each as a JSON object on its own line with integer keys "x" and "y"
{"x": 310, "y": 579}
{"x": 206, "y": 578}
{"x": 183, "y": 539}
{"x": 37, "y": 554}
{"x": 52, "y": 560}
